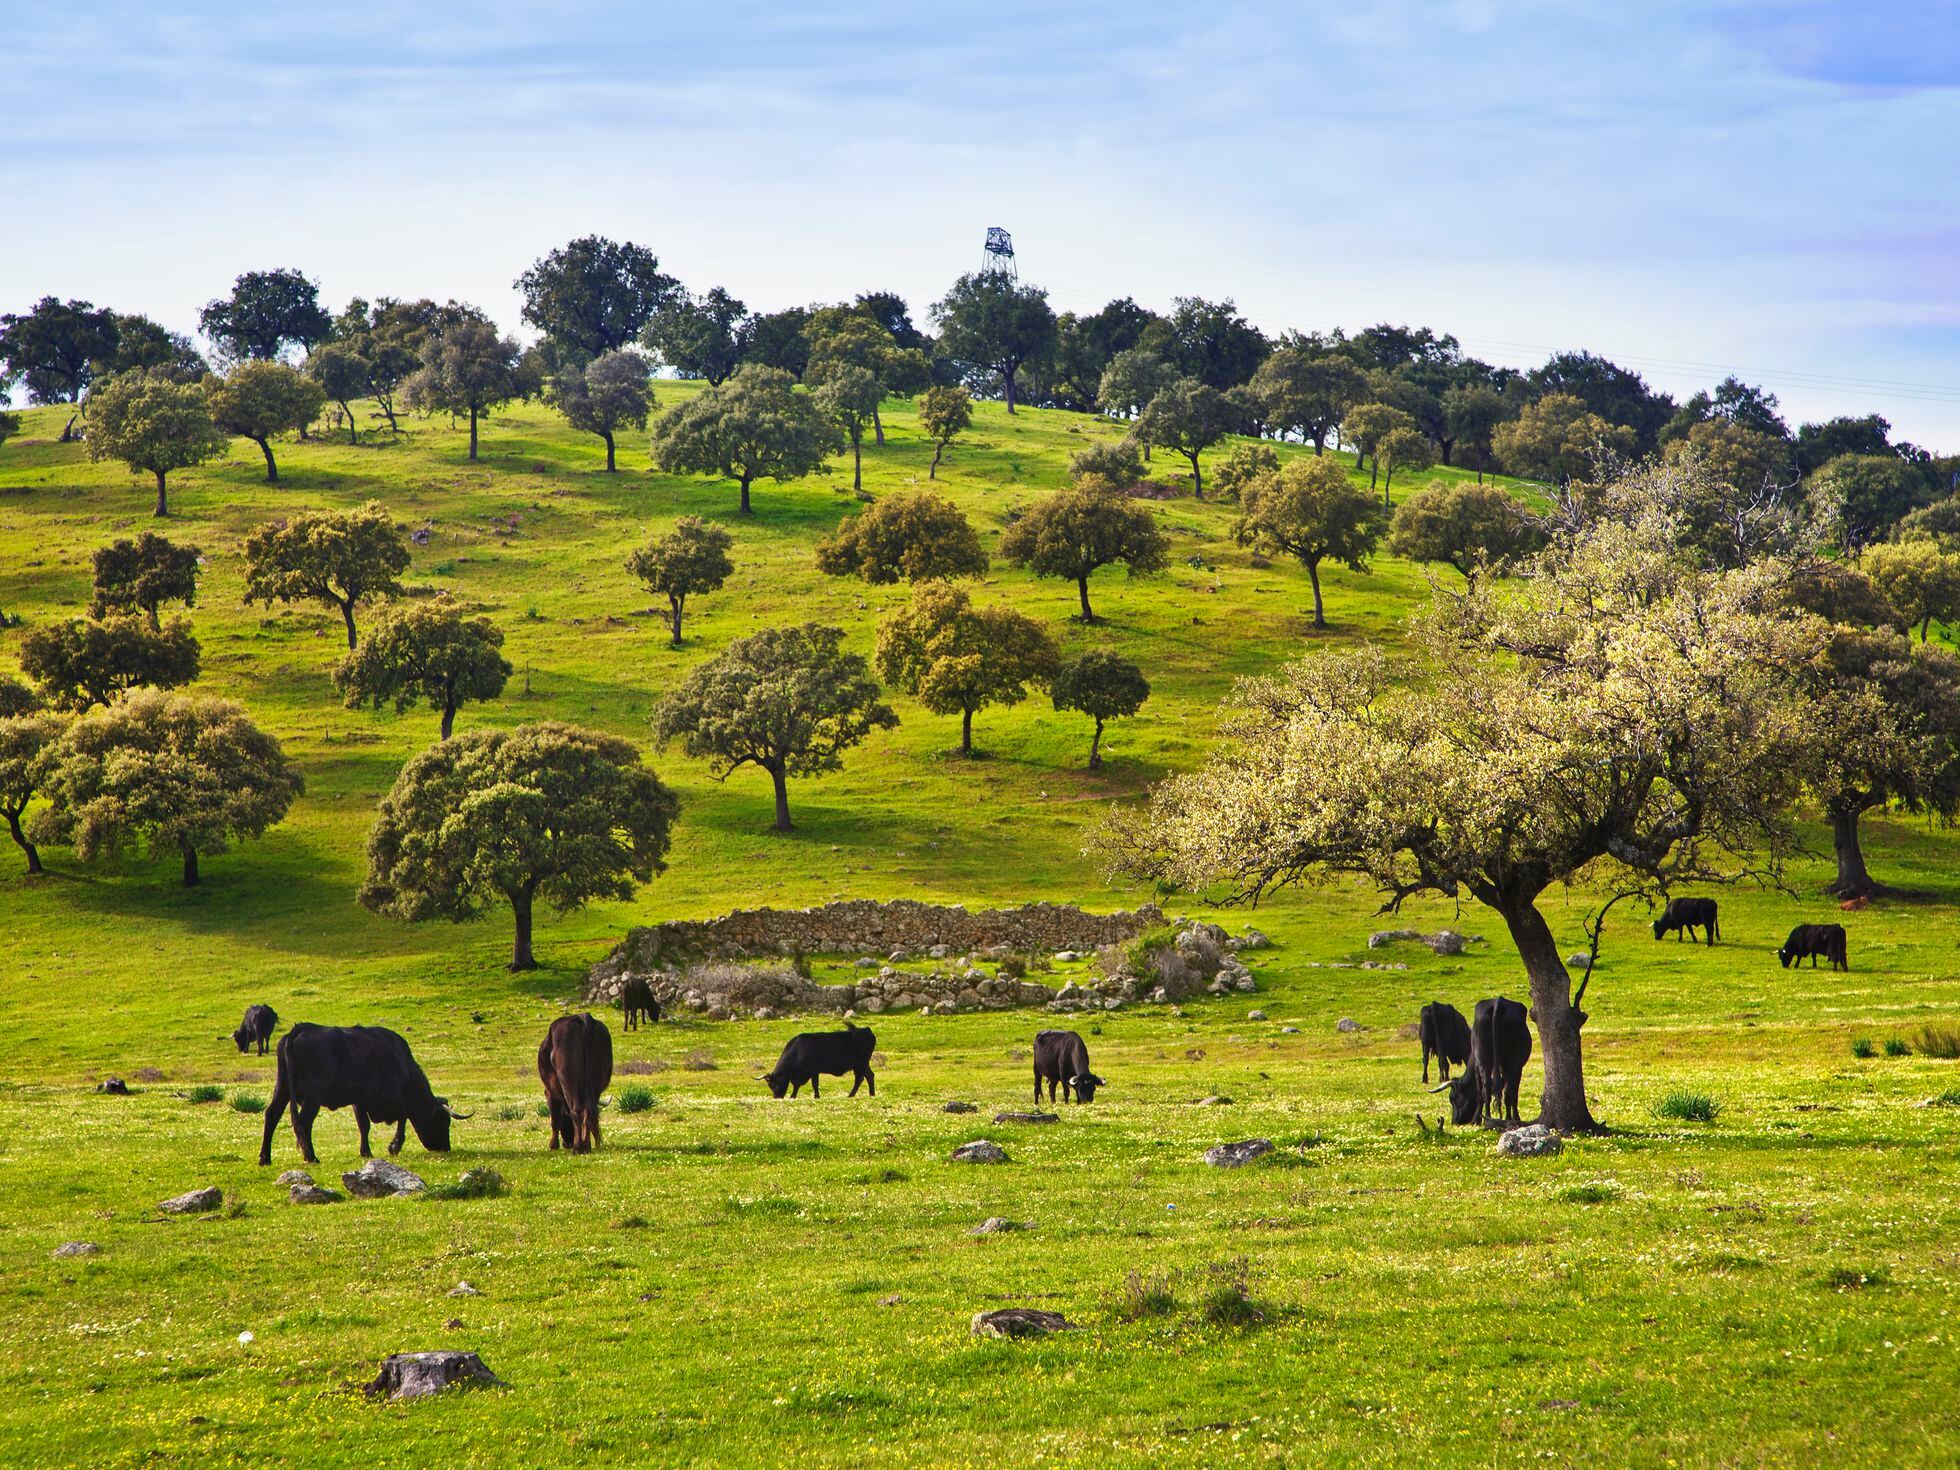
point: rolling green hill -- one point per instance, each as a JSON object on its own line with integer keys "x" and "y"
{"x": 1773, "y": 1287}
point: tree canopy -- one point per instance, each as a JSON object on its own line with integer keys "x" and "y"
{"x": 699, "y": 336}
{"x": 1103, "y": 685}
{"x": 337, "y": 558}
{"x": 912, "y": 536}
{"x": 467, "y": 368}
{"x": 754, "y": 426}
{"x": 260, "y": 399}
{"x": 95, "y": 661}
{"x": 1473, "y": 528}
{"x": 1307, "y": 394}
{"x": 545, "y": 813}
{"x": 266, "y": 313}
{"x": 691, "y": 558}
{"x": 1312, "y": 511}
{"x": 848, "y": 396}
{"x": 154, "y": 426}
{"x": 1075, "y": 532}
{"x": 594, "y": 296}
{"x": 789, "y": 701}
{"x": 1188, "y": 416}
{"x": 143, "y": 574}
{"x": 606, "y": 395}
{"x": 1558, "y": 439}
{"x": 341, "y": 374}
{"x": 56, "y": 347}
{"x": 944, "y": 414}
{"x": 1858, "y": 498}
{"x": 955, "y": 658}
{"x": 994, "y": 325}
{"x": 1919, "y": 578}
{"x": 422, "y": 651}
{"x": 185, "y": 776}
{"x": 26, "y": 738}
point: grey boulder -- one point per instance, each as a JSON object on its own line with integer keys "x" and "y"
{"x": 1533, "y": 1141}
{"x": 417, "y": 1375}
{"x": 196, "y": 1202}
{"x": 1233, "y": 1155}
{"x": 381, "y": 1179}
{"x": 980, "y": 1151}
{"x": 1020, "y": 1322}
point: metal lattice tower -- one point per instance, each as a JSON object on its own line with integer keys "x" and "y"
{"x": 1000, "y": 252}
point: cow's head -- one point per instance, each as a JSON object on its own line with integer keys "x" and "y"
{"x": 1785, "y": 954}
{"x": 1466, "y": 1091}
{"x": 432, "y": 1125}
{"x": 1660, "y": 926}
{"x": 777, "y": 1083}
{"x": 244, "y": 1041}
{"x": 1085, "y": 1085}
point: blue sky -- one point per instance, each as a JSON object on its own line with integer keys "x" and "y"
{"x": 1769, "y": 187}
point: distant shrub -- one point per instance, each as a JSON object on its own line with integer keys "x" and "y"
{"x": 631, "y": 1222}
{"x": 1013, "y": 967}
{"x": 1688, "y": 1107}
{"x": 1590, "y": 1192}
{"x": 512, "y": 1113}
{"x": 1939, "y": 1039}
{"x": 641, "y": 1067}
{"x": 634, "y": 1099}
{"x": 1862, "y": 1047}
{"x": 1226, "y": 1298}
{"x": 1145, "y": 1296}
{"x": 543, "y": 1110}
{"x": 1852, "y": 1278}
{"x": 1897, "y": 1046}
{"x": 206, "y": 1092}
{"x": 472, "y": 1184}
{"x": 1948, "y": 1099}
{"x": 699, "y": 1060}
{"x": 247, "y": 1102}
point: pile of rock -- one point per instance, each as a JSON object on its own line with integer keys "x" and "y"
{"x": 1443, "y": 941}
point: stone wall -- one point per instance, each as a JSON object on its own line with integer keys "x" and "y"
{"x": 900, "y": 930}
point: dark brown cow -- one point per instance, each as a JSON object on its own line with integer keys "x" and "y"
{"x": 1810, "y": 941}
{"x": 636, "y": 999}
{"x": 575, "y": 1065}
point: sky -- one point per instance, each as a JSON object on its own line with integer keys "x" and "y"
{"x": 1765, "y": 187}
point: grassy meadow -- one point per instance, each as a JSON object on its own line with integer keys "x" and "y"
{"x": 735, "y": 1278}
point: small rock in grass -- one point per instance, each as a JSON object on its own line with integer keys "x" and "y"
{"x": 293, "y": 1176}
{"x": 114, "y": 1086}
{"x": 453, "y": 1323}
{"x": 463, "y": 1288}
{"x": 1020, "y": 1322}
{"x": 1532, "y": 1141}
{"x": 890, "y": 1301}
{"x": 1579, "y": 959}
{"x": 69, "y": 1249}
{"x": 1347, "y": 1023}
{"x": 1214, "y": 1101}
{"x": 996, "y": 1225}
{"x": 959, "y": 1107}
{"x": 196, "y": 1202}
{"x": 417, "y": 1375}
{"x": 1027, "y": 1117}
{"x": 1289, "y": 1031}
{"x": 380, "y": 1179}
{"x": 313, "y": 1194}
{"x": 1232, "y": 1155}
{"x": 1255, "y": 1015}
{"x": 980, "y": 1151}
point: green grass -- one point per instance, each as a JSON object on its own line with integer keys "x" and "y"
{"x": 634, "y": 1099}
{"x": 731, "y": 1277}
{"x": 1688, "y": 1107}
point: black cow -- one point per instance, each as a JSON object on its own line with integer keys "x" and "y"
{"x": 1445, "y": 1036}
{"x": 636, "y": 999}
{"x": 575, "y": 1065}
{"x": 1062, "y": 1059}
{"x": 259, "y": 1024}
{"x": 1683, "y": 916}
{"x": 1500, "y": 1045}
{"x": 826, "y": 1053}
{"x": 367, "y": 1068}
{"x": 1814, "y": 940}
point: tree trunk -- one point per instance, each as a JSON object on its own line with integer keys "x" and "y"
{"x": 271, "y": 466}
{"x": 347, "y": 617}
{"x": 353, "y": 434}
{"x": 674, "y": 620}
{"x": 1853, "y": 879}
{"x": 1387, "y": 481}
{"x": 473, "y": 443}
{"x": 1562, "y": 1103}
{"x": 857, "y": 459}
{"x": 190, "y": 867}
{"x": 1082, "y": 590}
{"x": 966, "y": 732}
{"x": 932, "y": 471}
{"x": 781, "y": 779}
{"x": 1361, "y": 459}
{"x": 521, "y": 957}
{"x": 1926, "y": 628}
{"x": 448, "y": 720}
{"x": 1197, "y": 479}
{"x": 611, "y": 466}
{"x": 745, "y": 496}
{"x": 1444, "y": 446}
{"x": 20, "y": 840}
{"x": 1008, "y": 374}
{"x": 1319, "y": 445}
{"x": 1374, "y": 472}
{"x": 1095, "y": 748}
{"x": 1146, "y": 451}
{"x": 163, "y": 505}
{"x": 1313, "y": 576}
{"x": 877, "y": 427}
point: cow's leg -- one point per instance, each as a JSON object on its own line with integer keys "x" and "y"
{"x": 303, "y": 1116}
{"x": 857, "y": 1081}
{"x": 361, "y": 1122}
{"x": 816, "y": 1088}
{"x": 592, "y": 1126}
{"x": 1425, "y": 1066}
{"x": 1037, "y": 1085}
{"x": 401, "y": 1132}
{"x": 272, "y": 1111}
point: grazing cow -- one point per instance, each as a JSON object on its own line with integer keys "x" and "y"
{"x": 1445, "y": 1036}
{"x": 575, "y": 1065}
{"x": 1683, "y": 916}
{"x": 259, "y": 1024}
{"x": 1814, "y": 940}
{"x": 636, "y": 999}
{"x": 1500, "y": 1045}
{"x": 1062, "y": 1059}
{"x": 826, "y": 1053}
{"x": 367, "y": 1068}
